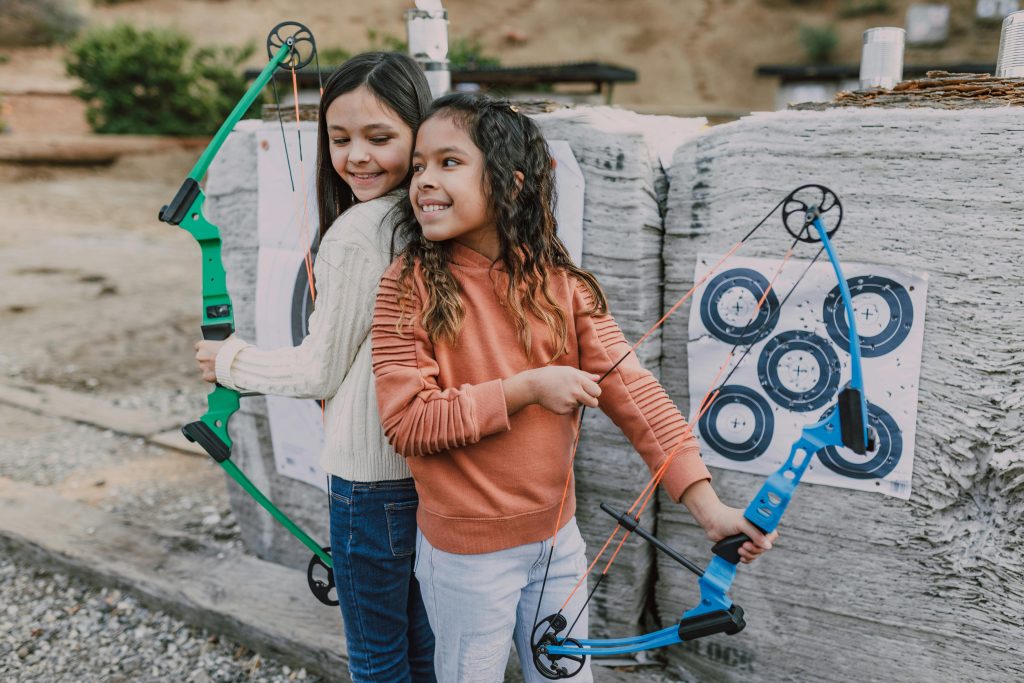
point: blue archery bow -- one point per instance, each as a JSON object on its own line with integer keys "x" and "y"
{"x": 563, "y": 657}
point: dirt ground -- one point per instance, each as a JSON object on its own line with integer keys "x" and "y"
{"x": 99, "y": 297}
{"x": 98, "y": 294}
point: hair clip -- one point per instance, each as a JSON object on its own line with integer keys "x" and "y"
{"x": 514, "y": 108}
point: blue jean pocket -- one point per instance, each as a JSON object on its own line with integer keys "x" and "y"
{"x": 402, "y": 527}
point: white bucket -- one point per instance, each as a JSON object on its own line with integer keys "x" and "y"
{"x": 1010, "y": 63}
{"x": 881, "y": 60}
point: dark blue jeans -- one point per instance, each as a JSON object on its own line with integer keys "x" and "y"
{"x": 373, "y": 539}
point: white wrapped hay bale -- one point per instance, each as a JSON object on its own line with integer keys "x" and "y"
{"x": 863, "y": 587}
{"x": 618, "y": 153}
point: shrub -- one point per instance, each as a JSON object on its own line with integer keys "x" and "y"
{"x": 468, "y": 53}
{"x": 385, "y": 42}
{"x": 38, "y": 22}
{"x": 818, "y": 42}
{"x": 153, "y": 82}
{"x": 333, "y": 56}
{"x": 852, "y": 9}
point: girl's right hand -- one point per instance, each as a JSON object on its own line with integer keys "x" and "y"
{"x": 206, "y": 357}
{"x": 562, "y": 389}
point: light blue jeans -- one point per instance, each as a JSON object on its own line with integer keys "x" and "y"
{"x": 477, "y": 604}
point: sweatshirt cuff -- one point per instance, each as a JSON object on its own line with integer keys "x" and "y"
{"x": 686, "y": 470}
{"x": 225, "y": 357}
{"x": 491, "y": 410}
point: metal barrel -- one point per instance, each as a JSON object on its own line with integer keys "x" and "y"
{"x": 1010, "y": 63}
{"x": 881, "y": 60}
{"x": 427, "y": 31}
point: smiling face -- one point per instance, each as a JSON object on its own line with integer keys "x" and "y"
{"x": 370, "y": 144}
{"x": 447, "y": 190}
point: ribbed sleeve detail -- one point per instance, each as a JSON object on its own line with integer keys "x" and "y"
{"x": 420, "y": 418}
{"x": 636, "y": 402}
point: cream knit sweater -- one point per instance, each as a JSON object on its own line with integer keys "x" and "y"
{"x": 333, "y": 362}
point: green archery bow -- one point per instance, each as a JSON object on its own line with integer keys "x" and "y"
{"x": 290, "y": 45}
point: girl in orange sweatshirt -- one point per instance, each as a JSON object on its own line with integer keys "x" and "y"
{"x": 486, "y": 341}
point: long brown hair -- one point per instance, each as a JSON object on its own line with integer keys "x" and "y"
{"x": 522, "y": 210}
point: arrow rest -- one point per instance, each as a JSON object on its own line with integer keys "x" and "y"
{"x": 321, "y": 587}
{"x": 297, "y": 37}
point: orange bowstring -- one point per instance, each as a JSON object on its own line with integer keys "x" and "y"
{"x": 646, "y": 496}
{"x": 305, "y": 193}
{"x": 675, "y": 307}
{"x": 641, "y": 502}
{"x": 304, "y": 215}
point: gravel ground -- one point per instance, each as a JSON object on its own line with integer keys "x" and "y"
{"x": 120, "y": 474}
{"x": 101, "y": 298}
{"x": 56, "y": 628}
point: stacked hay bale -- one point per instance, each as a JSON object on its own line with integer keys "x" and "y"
{"x": 862, "y": 587}
{"x": 618, "y": 153}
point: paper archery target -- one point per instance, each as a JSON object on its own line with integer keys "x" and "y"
{"x": 739, "y": 424}
{"x": 799, "y": 370}
{"x": 786, "y": 377}
{"x": 729, "y": 301}
{"x": 872, "y": 465}
{"x": 302, "y": 304}
{"x": 885, "y": 314}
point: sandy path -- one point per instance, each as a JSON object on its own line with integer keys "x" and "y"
{"x": 98, "y": 294}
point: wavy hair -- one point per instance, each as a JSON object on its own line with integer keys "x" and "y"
{"x": 522, "y": 211}
{"x": 399, "y": 84}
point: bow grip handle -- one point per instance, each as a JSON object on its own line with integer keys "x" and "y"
{"x": 729, "y": 547}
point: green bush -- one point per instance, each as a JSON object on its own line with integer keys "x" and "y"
{"x": 462, "y": 52}
{"x": 153, "y": 82}
{"x": 333, "y": 57}
{"x": 468, "y": 53}
{"x": 852, "y": 9}
{"x": 819, "y": 42}
{"x": 385, "y": 42}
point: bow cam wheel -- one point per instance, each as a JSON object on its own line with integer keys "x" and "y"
{"x": 321, "y": 580}
{"x": 804, "y": 204}
{"x": 557, "y": 667}
{"x": 298, "y": 38}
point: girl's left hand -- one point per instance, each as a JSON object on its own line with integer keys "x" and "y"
{"x": 206, "y": 356}
{"x": 721, "y": 521}
{"x": 728, "y": 521}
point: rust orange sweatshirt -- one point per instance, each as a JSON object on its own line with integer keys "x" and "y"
{"x": 486, "y": 480}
